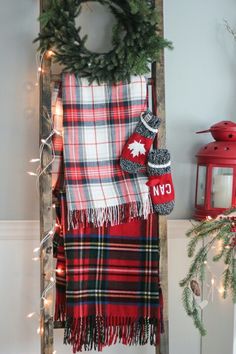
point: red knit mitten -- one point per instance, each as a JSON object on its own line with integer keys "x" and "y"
{"x": 160, "y": 181}
{"x": 135, "y": 152}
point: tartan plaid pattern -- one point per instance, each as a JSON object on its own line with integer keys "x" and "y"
{"x": 59, "y": 254}
{"x": 112, "y": 287}
{"x": 57, "y": 139}
{"x": 98, "y": 119}
{"x": 60, "y": 300}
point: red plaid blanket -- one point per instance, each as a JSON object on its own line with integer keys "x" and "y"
{"x": 98, "y": 119}
{"x": 60, "y": 300}
{"x": 110, "y": 289}
{"x": 59, "y": 254}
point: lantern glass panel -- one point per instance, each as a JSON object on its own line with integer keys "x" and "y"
{"x": 201, "y": 185}
{"x": 222, "y": 186}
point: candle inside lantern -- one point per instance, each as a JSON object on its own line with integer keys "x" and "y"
{"x": 222, "y": 191}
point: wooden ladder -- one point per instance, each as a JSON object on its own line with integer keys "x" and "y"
{"x": 46, "y": 207}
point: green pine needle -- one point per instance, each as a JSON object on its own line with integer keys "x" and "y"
{"x": 198, "y": 322}
{"x": 187, "y": 298}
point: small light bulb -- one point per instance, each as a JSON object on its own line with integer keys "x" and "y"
{"x": 43, "y": 141}
{"x": 221, "y": 290}
{"x": 36, "y": 84}
{"x": 36, "y": 249}
{"x": 50, "y": 53}
{"x": 52, "y": 279}
{"x": 34, "y": 160}
{"x": 32, "y": 173}
{"x": 54, "y": 206}
{"x": 51, "y": 232}
{"x": 40, "y": 330}
{"x": 35, "y": 259}
{"x": 46, "y": 302}
{"x": 40, "y": 69}
{"x": 57, "y": 132}
{"x": 58, "y": 110}
{"x": 59, "y": 270}
{"x": 205, "y": 262}
{"x": 209, "y": 218}
{"x": 212, "y": 281}
{"x": 31, "y": 314}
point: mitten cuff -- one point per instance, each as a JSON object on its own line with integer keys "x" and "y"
{"x": 159, "y": 162}
{"x": 148, "y": 125}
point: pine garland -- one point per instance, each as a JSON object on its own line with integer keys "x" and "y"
{"x": 136, "y": 41}
{"x": 203, "y": 236}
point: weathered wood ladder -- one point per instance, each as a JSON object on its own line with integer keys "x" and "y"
{"x": 46, "y": 208}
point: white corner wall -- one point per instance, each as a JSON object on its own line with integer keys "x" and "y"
{"x": 19, "y": 109}
{"x": 200, "y": 84}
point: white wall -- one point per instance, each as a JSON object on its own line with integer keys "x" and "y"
{"x": 19, "y": 108}
{"x": 200, "y": 84}
{"x": 218, "y": 315}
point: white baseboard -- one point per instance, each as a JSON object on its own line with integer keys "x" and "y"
{"x": 19, "y": 230}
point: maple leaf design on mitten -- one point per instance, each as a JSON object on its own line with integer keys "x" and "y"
{"x": 134, "y": 154}
{"x": 137, "y": 148}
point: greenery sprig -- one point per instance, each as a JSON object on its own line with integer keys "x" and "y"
{"x": 136, "y": 41}
{"x": 203, "y": 237}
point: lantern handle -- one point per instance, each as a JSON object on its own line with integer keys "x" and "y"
{"x": 203, "y": 131}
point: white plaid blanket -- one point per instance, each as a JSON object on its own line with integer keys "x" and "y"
{"x": 97, "y": 121}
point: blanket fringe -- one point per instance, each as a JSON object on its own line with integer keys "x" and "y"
{"x": 96, "y": 332}
{"x": 60, "y": 306}
{"x": 113, "y": 215}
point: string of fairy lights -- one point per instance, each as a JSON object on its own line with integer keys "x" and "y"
{"x": 39, "y": 252}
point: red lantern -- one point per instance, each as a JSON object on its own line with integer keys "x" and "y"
{"x": 216, "y": 172}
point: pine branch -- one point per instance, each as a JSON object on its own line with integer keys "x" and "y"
{"x": 226, "y": 281}
{"x": 209, "y": 232}
{"x": 198, "y": 322}
{"x": 193, "y": 310}
{"x": 233, "y": 278}
{"x": 187, "y": 298}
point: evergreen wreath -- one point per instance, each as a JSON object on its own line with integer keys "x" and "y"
{"x": 203, "y": 237}
{"x": 135, "y": 40}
